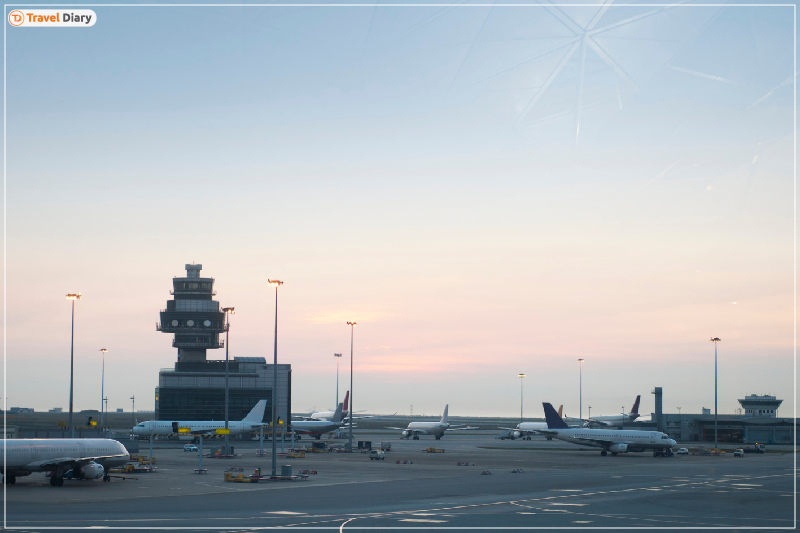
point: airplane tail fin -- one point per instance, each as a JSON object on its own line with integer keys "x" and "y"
{"x": 256, "y": 414}
{"x": 444, "y": 415}
{"x": 560, "y": 409}
{"x": 635, "y": 409}
{"x": 337, "y": 416}
{"x": 346, "y": 399}
{"x": 553, "y": 420}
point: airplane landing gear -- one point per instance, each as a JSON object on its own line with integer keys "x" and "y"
{"x": 415, "y": 437}
{"x": 57, "y": 480}
{"x": 438, "y": 438}
{"x": 10, "y": 479}
{"x": 604, "y": 453}
{"x": 106, "y": 477}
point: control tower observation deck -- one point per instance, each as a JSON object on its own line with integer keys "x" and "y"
{"x": 193, "y": 316}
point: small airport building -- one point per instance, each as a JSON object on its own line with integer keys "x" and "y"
{"x": 194, "y": 389}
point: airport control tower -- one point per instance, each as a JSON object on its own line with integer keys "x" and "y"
{"x": 193, "y": 316}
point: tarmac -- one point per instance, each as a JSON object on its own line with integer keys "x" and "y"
{"x": 535, "y": 484}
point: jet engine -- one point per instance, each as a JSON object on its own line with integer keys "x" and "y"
{"x": 516, "y": 434}
{"x": 618, "y": 448}
{"x": 90, "y": 471}
{"x": 406, "y": 433}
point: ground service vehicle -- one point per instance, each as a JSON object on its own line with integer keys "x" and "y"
{"x": 738, "y": 453}
{"x": 189, "y": 448}
{"x": 376, "y": 454}
{"x": 682, "y": 451}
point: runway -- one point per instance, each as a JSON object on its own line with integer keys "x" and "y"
{"x": 560, "y": 485}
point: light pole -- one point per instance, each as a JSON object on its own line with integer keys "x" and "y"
{"x": 590, "y": 414}
{"x": 350, "y": 439}
{"x": 337, "y": 356}
{"x": 521, "y": 377}
{"x": 133, "y": 409}
{"x": 715, "y": 340}
{"x": 679, "y": 411}
{"x": 622, "y": 418}
{"x": 72, "y": 297}
{"x": 275, "y": 283}
{"x": 102, "y": 384}
{"x": 228, "y": 312}
{"x": 580, "y": 388}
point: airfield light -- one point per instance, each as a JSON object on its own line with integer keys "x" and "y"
{"x": 580, "y": 388}
{"x": 715, "y": 340}
{"x": 72, "y": 297}
{"x": 228, "y": 312}
{"x": 275, "y": 283}
{"x": 350, "y": 438}
{"x": 102, "y": 384}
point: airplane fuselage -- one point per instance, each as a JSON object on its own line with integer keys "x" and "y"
{"x": 612, "y": 420}
{"x": 315, "y": 427}
{"x": 195, "y": 427}
{"x": 88, "y": 458}
{"x": 616, "y": 441}
{"x": 435, "y": 429}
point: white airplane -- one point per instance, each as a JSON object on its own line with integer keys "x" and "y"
{"x": 616, "y": 421}
{"x": 609, "y": 440}
{"x": 251, "y": 422}
{"x": 318, "y": 427}
{"x": 524, "y": 430}
{"x": 326, "y": 415}
{"x": 78, "y": 458}
{"x": 437, "y": 429}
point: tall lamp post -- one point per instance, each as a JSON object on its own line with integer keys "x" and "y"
{"x": 72, "y": 297}
{"x": 133, "y": 409}
{"x": 102, "y": 384}
{"x": 350, "y": 439}
{"x": 580, "y": 388}
{"x": 337, "y": 356}
{"x": 521, "y": 377}
{"x": 228, "y": 312}
{"x": 715, "y": 340}
{"x": 275, "y": 283}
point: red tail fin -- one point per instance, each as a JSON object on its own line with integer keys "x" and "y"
{"x": 346, "y": 398}
{"x": 635, "y": 408}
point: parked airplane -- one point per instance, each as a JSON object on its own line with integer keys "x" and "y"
{"x": 318, "y": 427}
{"x": 326, "y": 415}
{"x": 616, "y": 421}
{"x": 437, "y": 429}
{"x": 251, "y": 422}
{"x": 610, "y": 440}
{"x": 77, "y": 458}
{"x": 524, "y": 430}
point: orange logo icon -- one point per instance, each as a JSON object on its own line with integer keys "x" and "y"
{"x": 16, "y": 18}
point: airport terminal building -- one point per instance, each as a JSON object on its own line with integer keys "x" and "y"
{"x": 195, "y": 388}
{"x": 759, "y": 423}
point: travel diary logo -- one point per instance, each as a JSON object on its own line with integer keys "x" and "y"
{"x": 56, "y": 18}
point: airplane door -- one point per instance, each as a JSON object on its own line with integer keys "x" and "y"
{"x": 175, "y": 427}
{"x": 81, "y": 450}
{"x": 652, "y": 438}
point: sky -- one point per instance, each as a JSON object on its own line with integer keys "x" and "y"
{"x": 487, "y": 190}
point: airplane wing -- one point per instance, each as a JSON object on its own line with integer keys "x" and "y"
{"x": 66, "y": 463}
{"x": 599, "y": 443}
{"x": 390, "y": 427}
{"x": 459, "y": 428}
{"x": 509, "y": 429}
